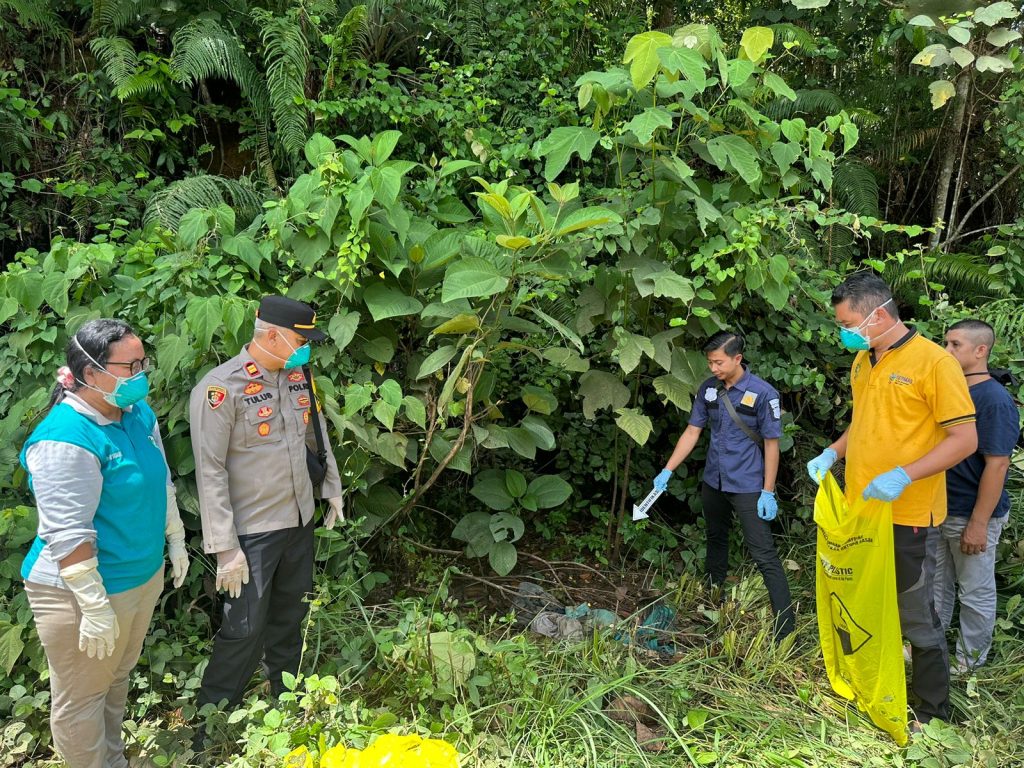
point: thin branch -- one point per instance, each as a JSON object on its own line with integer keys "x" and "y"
{"x": 963, "y": 220}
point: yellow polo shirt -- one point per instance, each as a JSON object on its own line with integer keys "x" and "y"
{"x": 902, "y": 405}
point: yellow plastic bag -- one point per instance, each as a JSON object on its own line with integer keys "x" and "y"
{"x": 858, "y": 616}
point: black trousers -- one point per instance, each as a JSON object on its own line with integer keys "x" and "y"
{"x": 915, "y": 549}
{"x": 719, "y": 508}
{"x": 265, "y": 621}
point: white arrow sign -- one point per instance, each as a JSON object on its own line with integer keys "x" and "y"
{"x": 640, "y": 512}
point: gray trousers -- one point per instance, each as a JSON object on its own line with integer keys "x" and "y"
{"x": 915, "y": 551}
{"x": 88, "y": 695}
{"x": 265, "y": 621}
{"x": 972, "y": 578}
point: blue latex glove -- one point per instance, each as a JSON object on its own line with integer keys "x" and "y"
{"x": 887, "y": 486}
{"x": 661, "y": 481}
{"x": 819, "y": 465}
{"x": 767, "y": 506}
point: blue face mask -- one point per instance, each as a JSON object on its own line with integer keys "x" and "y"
{"x": 126, "y": 392}
{"x": 856, "y": 340}
{"x": 299, "y": 357}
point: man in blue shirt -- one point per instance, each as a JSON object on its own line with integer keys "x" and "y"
{"x": 742, "y": 462}
{"x": 977, "y": 498}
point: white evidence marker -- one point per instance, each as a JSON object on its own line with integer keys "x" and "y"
{"x": 640, "y": 511}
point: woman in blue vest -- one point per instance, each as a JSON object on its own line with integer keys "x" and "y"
{"x": 106, "y": 503}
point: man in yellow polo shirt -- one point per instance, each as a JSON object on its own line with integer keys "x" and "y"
{"x": 913, "y": 419}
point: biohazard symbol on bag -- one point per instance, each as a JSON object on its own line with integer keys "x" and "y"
{"x": 858, "y": 616}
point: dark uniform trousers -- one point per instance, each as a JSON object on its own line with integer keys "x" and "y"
{"x": 265, "y": 621}
{"x": 719, "y": 507}
{"x": 916, "y": 549}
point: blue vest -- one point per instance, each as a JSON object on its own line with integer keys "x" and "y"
{"x": 131, "y": 515}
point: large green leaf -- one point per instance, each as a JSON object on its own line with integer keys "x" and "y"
{"x": 941, "y": 91}
{"x": 504, "y": 525}
{"x": 778, "y": 86}
{"x": 55, "y": 291}
{"x": 647, "y": 122}
{"x": 756, "y": 42}
{"x": 629, "y": 349}
{"x": 634, "y": 423}
{"x": 733, "y": 152}
{"x": 585, "y": 218}
{"x": 677, "y": 392}
{"x": 453, "y": 657}
{"x": 642, "y": 56}
{"x": 203, "y": 316}
{"x": 566, "y": 332}
{"x": 472, "y": 277}
{"x": 600, "y": 389}
{"x": 318, "y": 148}
{"x": 490, "y": 488}
{"x": 539, "y": 400}
{"x": 549, "y": 491}
{"x": 560, "y": 145}
{"x": 541, "y": 433}
{"x": 11, "y": 646}
{"x": 342, "y": 328}
{"x": 171, "y": 351}
{"x": 386, "y": 301}
{"x": 784, "y": 154}
{"x": 672, "y": 285}
{"x": 685, "y": 61}
{"x": 990, "y": 15}
{"x": 1000, "y": 37}
{"x": 502, "y": 558}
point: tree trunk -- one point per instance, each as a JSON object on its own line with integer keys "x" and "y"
{"x": 949, "y": 156}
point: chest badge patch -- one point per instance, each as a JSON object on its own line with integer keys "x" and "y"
{"x": 303, "y": 401}
{"x": 305, "y": 417}
{"x": 776, "y": 408}
{"x": 251, "y": 370}
{"x": 296, "y": 376}
{"x": 253, "y": 388}
{"x": 265, "y": 412}
{"x": 749, "y": 398}
{"x": 263, "y": 429}
{"x": 215, "y": 396}
{"x": 711, "y": 394}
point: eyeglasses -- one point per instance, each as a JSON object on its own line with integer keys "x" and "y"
{"x": 135, "y": 366}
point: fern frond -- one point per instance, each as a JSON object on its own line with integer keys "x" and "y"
{"x": 286, "y": 54}
{"x": 901, "y": 147}
{"x": 111, "y": 16}
{"x": 855, "y": 187}
{"x": 118, "y": 58}
{"x": 791, "y": 33}
{"x": 1007, "y": 321}
{"x": 167, "y": 206}
{"x": 964, "y": 276}
{"x": 203, "y": 49}
{"x": 32, "y": 14}
{"x": 816, "y": 103}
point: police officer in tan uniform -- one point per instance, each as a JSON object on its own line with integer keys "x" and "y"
{"x": 251, "y": 425}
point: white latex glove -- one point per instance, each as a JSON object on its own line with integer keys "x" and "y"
{"x": 337, "y": 512}
{"x": 175, "y": 533}
{"x": 232, "y": 571}
{"x": 98, "y": 630}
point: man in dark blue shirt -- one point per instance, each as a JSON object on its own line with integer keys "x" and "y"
{"x": 742, "y": 462}
{"x": 978, "y": 504}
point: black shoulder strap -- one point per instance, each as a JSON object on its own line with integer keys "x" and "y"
{"x": 723, "y": 395}
{"x": 314, "y": 406}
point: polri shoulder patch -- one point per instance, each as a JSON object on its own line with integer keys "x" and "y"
{"x": 215, "y": 396}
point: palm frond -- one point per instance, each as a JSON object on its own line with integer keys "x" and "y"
{"x": 167, "y": 206}
{"x": 964, "y": 276}
{"x": 286, "y": 54}
{"x": 32, "y": 14}
{"x": 855, "y": 187}
{"x": 111, "y": 16}
{"x": 117, "y": 57}
{"x": 791, "y": 33}
{"x": 815, "y": 103}
{"x": 899, "y": 148}
{"x": 203, "y": 49}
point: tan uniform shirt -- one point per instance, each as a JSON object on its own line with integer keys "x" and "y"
{"x": 250, "y": 428}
